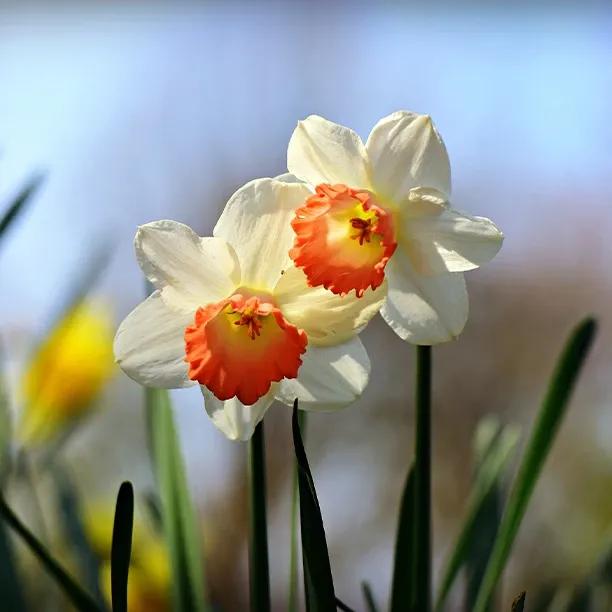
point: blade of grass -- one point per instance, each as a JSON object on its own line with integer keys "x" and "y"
{"x": 319, "y": 584}
{"x": 538, "y": 446}
{"x": 80, "y": 599}
{"x": 422, "y": 482}
{"x": 480, "y": 546}
{"x": 74, "y": 531}
{"x": 259, "y": 573}
{"x": 494, "y": 449}
{"x": 402, "y": 589}
{"x": 368, "y": 597}
{"x": 121, "y": 549}
{"x": 292, "y": 605}
{"x": 18, "y": 204}
{"x": 178, "y": 514}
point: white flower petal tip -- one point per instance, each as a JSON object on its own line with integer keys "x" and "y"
{"x": 187, "y": 269}
{"x": 321, "y": 151}
{"x": 235, "y": 420}
{"x": 330, "y": 377}
{"x": 405, "y": 151}
{"x": 149, "y": 345}
{"x": 439, "y": 239}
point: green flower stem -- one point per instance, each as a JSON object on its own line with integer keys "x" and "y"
{"x": 422, "y": 482}
{"x": 259, "y": 577}
{"x": 292, "y": 604}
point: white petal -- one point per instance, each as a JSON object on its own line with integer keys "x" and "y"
{"x": 329, "y": 378}
{"x": 326, "y": 317}
{"x": 424, "y": 309}
{"x": 439, "y": 239}
{"x": 150, "y": 346}
{"x": 189, "y": 270}
{"x": 256, "y": 223}
{"x": 406, "y": 151}
{"x": 321, "y": 151}
{"x": 232, "y": 417}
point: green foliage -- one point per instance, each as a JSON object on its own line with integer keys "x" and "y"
{"x": 70, "y": 516}
{"x": 79, "y": 598}
{"x": 421, "y": 567}
{"x": 402, "y": 591}
{"x": 292, "y": 604}
{"x": 178, "y": 515}
{"x": 537, "y": 449}
{"x": 122, "y": 547}
{"x": 11, "y": 593}
{"x": 18, "y": 205}
{"x": 494, "y": 446}
{"x": 6, "y": 427}
{"x": 318, "y": 581}
{"x": 259, "y": 572}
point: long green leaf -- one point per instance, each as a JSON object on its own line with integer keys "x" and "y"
{"x": 320, "y": 595}
{"x": 80, "y": 599}
{"x": 71, "y": 519}
{"x": 18, "y": 204}
{"x": 538, "y": 447}
{"x": 178, "y": 514}
{"x": 259, "y": 572}
{"x": 402, "y": 591}
{"x": 121, "y": 550}
{"x": 494, "y": 449}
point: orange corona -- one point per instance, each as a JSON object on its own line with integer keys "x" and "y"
{"x": 343, "y": 239}
{"x": 238, "y": 347}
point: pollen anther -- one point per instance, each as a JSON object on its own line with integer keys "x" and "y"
{"x": 328, "y": 248}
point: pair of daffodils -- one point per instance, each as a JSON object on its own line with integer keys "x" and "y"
{"x": 271, "y": 305}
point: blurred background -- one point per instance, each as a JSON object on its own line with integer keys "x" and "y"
{"x": 140, "y": 111}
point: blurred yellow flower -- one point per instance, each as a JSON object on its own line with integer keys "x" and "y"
{"x": 67, "y": 372}
{"x": 149, "y": 581}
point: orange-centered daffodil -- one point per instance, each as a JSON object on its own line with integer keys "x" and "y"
{"x": 234, "y": 315}
{"x": 343, "y": 239}
{"x": 381, "y": 210}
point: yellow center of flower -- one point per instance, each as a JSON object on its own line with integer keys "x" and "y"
{"x": 344, "y": 239}
{"x": 222, "y": 354}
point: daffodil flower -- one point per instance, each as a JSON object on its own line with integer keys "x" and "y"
{"x": 67, "y": 372}
{"x": 232, "y": 314}
{"x": 381, "y": 211}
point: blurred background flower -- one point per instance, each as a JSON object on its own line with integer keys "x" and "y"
{"x": 158, "y": 110}
{"x": 66, "y": 372}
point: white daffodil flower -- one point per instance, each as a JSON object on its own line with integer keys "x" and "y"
{"x": 233, "y": 314}
{"x": 381, "y": 210}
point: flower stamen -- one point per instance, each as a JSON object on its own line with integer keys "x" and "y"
{"x": 365, "y": 229}
{"x": 250, "y": 319}
{"x": 328, "y": 248}
{"x": 226, "y": 360}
